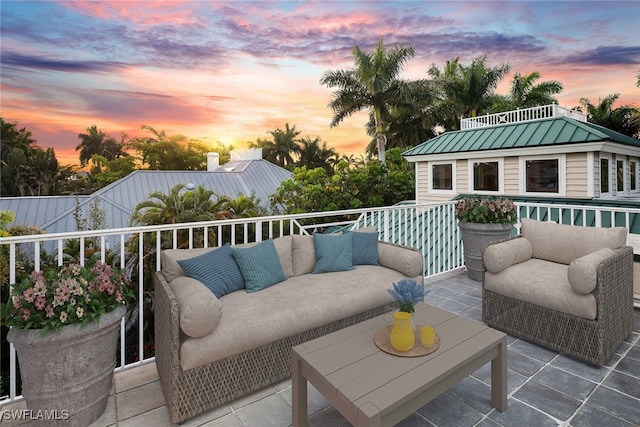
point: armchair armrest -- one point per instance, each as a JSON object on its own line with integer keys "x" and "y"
{"x": 500, "y": 255}
{"x": 406, "y": 260}
{"x": 614, "y": 291}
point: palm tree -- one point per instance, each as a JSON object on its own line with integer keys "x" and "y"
{"x": 622, "y": 119}
{"x": 525, "y": 93}
{"x": 464, "y": 91}
{"x": 313, "y": 156}
{"x": 373, "y": 85}
{"x": 285, "y": 144}
{"x": 96, "y": 141}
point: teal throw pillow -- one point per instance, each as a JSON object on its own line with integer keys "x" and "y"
{"x": 260, "y": 265}
{"x": 333, "y": 252}
{"x": 216, "y": 269}
{"x": 365, "y": 248}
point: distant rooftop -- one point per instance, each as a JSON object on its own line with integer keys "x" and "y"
{"x": 520, "y": 116}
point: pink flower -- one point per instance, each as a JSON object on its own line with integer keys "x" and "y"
{"x": 49, "y": 311}
{"x": 40, "y": 303}
{"x": 26, "y": 314}
{"x": 17, "y": 300}
{"x": 29, "y": 294}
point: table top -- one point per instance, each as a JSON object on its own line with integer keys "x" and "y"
{"x": 349, "y": 364}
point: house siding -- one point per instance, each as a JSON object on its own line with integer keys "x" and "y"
{"x": 577, "y": 177}
{"x": 511, "y": 175}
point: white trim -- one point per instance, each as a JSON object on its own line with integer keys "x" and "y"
{"x": 637, "y": 177}
{"x": 562, "y": 175}
{"x": 453, "y": 190}
{"x": 500, "y": 161}
{"x": 591, "y": 173}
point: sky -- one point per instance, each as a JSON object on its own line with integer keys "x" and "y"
{"x": 231, "y": 71}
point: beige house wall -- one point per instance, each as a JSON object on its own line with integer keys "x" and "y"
{"x": 511, "y": 176}
{"x": 577, "y": 176}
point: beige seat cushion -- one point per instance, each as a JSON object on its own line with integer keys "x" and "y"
{"x": 542, "y": 283}
{"x": 292, "y": 307}
{"x": 564, "y": 243}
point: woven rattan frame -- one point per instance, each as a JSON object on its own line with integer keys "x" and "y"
{"x": 592, "y": 341}
{"x": 189, "y": 393}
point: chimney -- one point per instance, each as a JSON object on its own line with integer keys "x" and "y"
{"x": 213, "y": 161}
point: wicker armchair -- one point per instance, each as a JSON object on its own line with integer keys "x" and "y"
{"x": 567, "y": 288}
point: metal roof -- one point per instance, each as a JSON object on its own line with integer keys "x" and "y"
{"x": 55, "y": 213}
{"x": 546, "y": 132}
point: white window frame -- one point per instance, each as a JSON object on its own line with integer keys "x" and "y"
{"x": 500, "y": 161}
{"x": 625, "y": 168}
{"x": 562, "y": 175}
{"x": 432, "y": 190}
{"x": 609, "y": 158}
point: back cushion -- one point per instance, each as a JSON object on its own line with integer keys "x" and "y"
{"x": 170, "y": 257}
{"x": 303, "y": 254}
{"x": 564, "y": 243}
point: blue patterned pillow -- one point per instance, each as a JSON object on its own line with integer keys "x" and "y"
{"x": 333, "y": 252}
{"x": 260, "y": 265}
{"x": 365, "y": 248}
{"x": 216, "y": 269}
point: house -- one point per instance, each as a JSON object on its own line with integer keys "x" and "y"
{"x": 247, "y": 173}
{"x": 548, "y": 151}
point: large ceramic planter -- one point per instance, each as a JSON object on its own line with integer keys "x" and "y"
{"x": 67, "y": 375}
{"x": 475, "y": 237}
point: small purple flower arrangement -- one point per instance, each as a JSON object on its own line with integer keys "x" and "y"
{"x": 408, "y": 293}
{"x": 66, "y": 295}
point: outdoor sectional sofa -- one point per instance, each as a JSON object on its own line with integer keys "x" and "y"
{"x": 567, "y": 288}
{"x": 210, "y": 350}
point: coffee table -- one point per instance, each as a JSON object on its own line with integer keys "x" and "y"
{"x": 372, "y": 388}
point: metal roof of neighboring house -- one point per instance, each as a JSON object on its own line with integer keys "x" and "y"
{"x": 55, "y": 213}
{"x": 546, "y": 132}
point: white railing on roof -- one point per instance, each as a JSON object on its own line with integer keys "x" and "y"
{"x": 521, "y": 115}
{"x": 430, "y": 227}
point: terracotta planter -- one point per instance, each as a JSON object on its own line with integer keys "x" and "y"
{"x": 475, "y": 237}
{"x": 67, "y": 375}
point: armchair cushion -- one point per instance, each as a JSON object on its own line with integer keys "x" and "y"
{"x": 583, "y": 271}
{"x": 499, "y": 256}
{"x": 200, "y": 310}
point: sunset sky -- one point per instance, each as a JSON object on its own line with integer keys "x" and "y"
{"x": 232, "y": 71}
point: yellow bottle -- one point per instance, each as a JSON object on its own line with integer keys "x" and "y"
{"x": 402, "y": 336}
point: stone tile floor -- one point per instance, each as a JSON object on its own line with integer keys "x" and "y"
{"x": 545, "y": 388}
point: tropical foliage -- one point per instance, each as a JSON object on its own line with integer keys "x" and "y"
{"x": 96, "y": 142}
{"x": 625, "y": 119}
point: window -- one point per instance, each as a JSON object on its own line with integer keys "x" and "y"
{"x": 633, "y": 172}
{"x": 442, "y": 176}
{"x": 485, "y": 176}
{"x": 604, "y": 176}
{"x": 542, "y": 176}
{"x": 620, "y": 176}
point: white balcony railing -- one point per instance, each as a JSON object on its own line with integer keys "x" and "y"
{"x": 432, "y": 228}
{"x": 521, "y": 115}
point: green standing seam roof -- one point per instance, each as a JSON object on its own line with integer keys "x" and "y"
{"x": 546, "y": 132}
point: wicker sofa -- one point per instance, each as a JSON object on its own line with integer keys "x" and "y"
{"x": 249, "y": 348}
{"x": 567, "y": 288}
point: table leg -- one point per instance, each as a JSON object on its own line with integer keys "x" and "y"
{"x": 499, "y": 378}
{"x": 298, "y": 393}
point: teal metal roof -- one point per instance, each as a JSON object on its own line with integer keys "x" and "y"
{"x": 546, "y": 132}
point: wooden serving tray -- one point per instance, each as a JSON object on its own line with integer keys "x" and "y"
{"x": 383, "y": 342}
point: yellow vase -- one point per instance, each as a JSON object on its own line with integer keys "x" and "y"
{"x": 402, "y": 336}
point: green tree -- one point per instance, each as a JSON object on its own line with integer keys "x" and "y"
{"x": 281, "y": 149}
{"x": 163, "y": 152}
{"x": 526, "y": 93}
{"x": 312, "y": 155}
{"x": 372, "y": 85}
{"x": 464, "y": 91}
{"x": 621, "y": 119}
{"x": 96, "y": 141}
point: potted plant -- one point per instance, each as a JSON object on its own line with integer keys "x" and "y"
{"x": 64, "y": 326}
{"x": 482, "y": 221}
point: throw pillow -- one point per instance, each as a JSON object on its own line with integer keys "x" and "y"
{"x": 333, "y": 252}
{"x": 260, "y": 265}
{"x": 200, "y": 310}
{"x": 216, "y": 269}
{"x": 364, "y": 248}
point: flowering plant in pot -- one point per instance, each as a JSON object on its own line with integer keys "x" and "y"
{"x": 65, "y": 324}
{"x": 408, "y": 293}
{"x": 482, "y": 221}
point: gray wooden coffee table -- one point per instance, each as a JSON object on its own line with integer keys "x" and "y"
{"x": 372, "y": 388}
